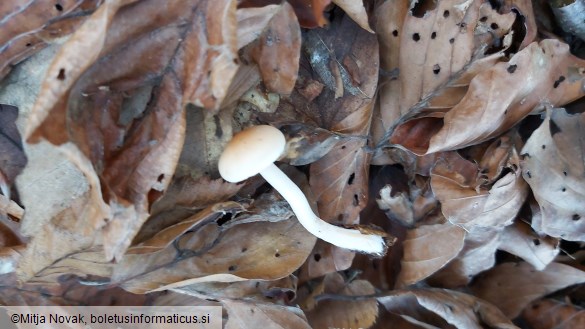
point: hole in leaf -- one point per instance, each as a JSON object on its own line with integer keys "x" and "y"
{"x": 564, "y": 189}
{"x": 277, "y": 255}
{"x": 232, "y": 268}
{"x": 61, "y": 75}
{"x": 558, "y": 82}
{"x": 436, "y": 69}
{"x": 395, "y": 33}
{"x": 421, "y": 7}
{"x": 244, "y": 249}
{"x": 528, "y": 174}
{"x": 536, "y": 242}
{"x": 565, "y": 173}
{"x": 512, "y": 68}
{"x": 416, "y": 37}
{"x": 543, "y": 147}
{"x": 356, "y": 200}
{"x": 494, "y": 26}
{"x": 452, "y": 40}
{"x": 58, "y": 7}
{"x": 446, "y": 13}
{"x": 160, "y": 177}
{"x": 576, "y": 217}
{"x": 29, "y": 44}
{"x": 483, "y": 19}
{"x": 433, "y": 35}
{"x": 351, "y": 178}
{"x": 317, "y": 257}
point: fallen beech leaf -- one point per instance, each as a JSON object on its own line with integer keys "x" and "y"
{"x": 342, "y": 313}
{"x": 427, "y": 249}
{"x": 553, "y": 167}
{"x": 27, "y": 27}
{"x": 513, "y": 286}
{"x": 478, "y": 254}
{"x": 545, "y": 72}
{"x": 357, "y": 12}
{"x": 254, "y": 249}
{"x": 465, "y": 202}
{"x": 519, "y": 239}
{"x": 277, "y": 51}
{"x": 458, "y": 309}
{"x": 246, "y": 315}
{"x": 548, "y": 313}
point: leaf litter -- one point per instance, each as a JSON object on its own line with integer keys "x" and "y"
{"x": 454, "y": 126}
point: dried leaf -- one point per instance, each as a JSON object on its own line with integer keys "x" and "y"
{"x": 427, "y": 249}
{"x": 548, "y": 313}
{"x": 520, "y": 240}
{"x": 513, "y": 286}
{"x": 243, "y": 314}
{"x": 553, "y": 167}
{"x": 341, "y": 313}
{"x": 357, "y": 12}
{"x": 459, "y": 309}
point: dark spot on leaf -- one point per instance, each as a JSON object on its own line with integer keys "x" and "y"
{"x": 343, "y": 147}
{"x": 351, "y": 178}
{"x": 558, "y": 82}
{"x": 554, "y": 128}
{"x": 543, "y": 147}
{"x": 416, "y": 37}
{"x": 494, "y": 26}
{"x": 436, "y": 69}
{"x": 61, "y": 75}
{"x": 356, "y": 200}
{"x": 576, "y": 217}
{"x": 483, "y": 19}
{"x": 512, "y": 68}
{"x": 160, "y": 177}
{"x": 565, "y": 173}
{"x": 29, "y": 44}
{"x": 452, "y": 40}
{"x": 277, "y": 255}
{"x": 564, "y": 189}
{"x": 232, "y": 268}
{"x": 317, "y": 257}
{"x": 433, "y": 35}
{"x": 58, "y": 7}
{"x": 446, "y": 13}
{"x": 395, "y": 33}
{"x": 244, "y": 249}
{"x": 528, "y": 174}
{"x": 536, "y": 242}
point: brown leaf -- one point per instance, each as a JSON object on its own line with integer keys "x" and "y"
{"x": 427, "y": 249}
{"x": 341, "y": 313}
{"x": 546, "y": 72}
{"x": 519, "y": 239}
{"x": 29, "y": 27}
{"x": 548, "y": 313}
{"x": 458, "y": 309}
{"x": 465, "y": 202}
{"x": 553, "y": 167}
{"x": 244, "y": 314}
{"x": 250, "y": 248}
{"x": 357, "y": 12}
{"x": 277, "y": 51}
{"x": 513, "y": 286}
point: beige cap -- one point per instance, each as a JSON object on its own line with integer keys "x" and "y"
{"x": 250, "y": 151}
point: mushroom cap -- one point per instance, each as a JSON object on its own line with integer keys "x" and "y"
{"x": 250, "y": 151}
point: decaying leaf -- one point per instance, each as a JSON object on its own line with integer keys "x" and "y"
{"x": 519, "y": 239}
{"x": 427, "y": 249}
{"x": 548, "y": 313}
{"x": 242, "y": 314}
{"x": 342, "y": 313}
{"x": 513, "y": 286}
{"x": 456, "y": 308}
{"x": 553, "y": 167}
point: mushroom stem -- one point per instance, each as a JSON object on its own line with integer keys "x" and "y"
{"x": 339, "y": 236}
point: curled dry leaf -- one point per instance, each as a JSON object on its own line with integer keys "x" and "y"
{"x": 227, "y": 253}
{"x": 519, "y": 239}
{"x": 549, "y": 313}
{"x": 553, "y": 167}
{"x": 252, "y": 315}
{"x": 342, "y": 313}
{"x": 464, "y": 202}
{"x": 456, "y": 308}
{"x": 427, "y": 249}
{"x": 544, "y": 72}
{"x": 513, "y": 286}
{"x": 28, "y": 27}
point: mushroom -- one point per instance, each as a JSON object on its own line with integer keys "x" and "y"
{"x": 253, "y": 151}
